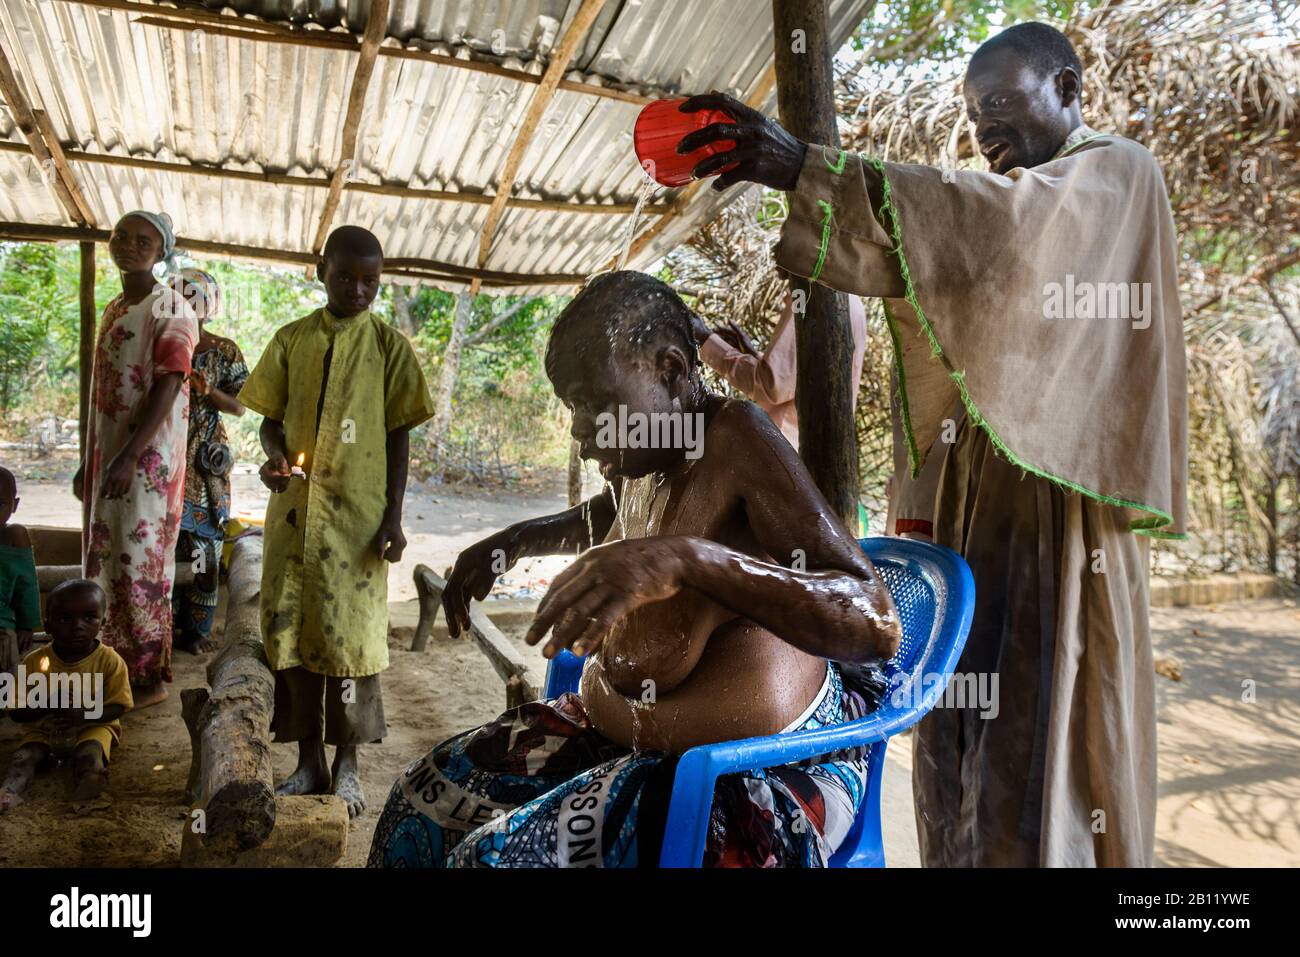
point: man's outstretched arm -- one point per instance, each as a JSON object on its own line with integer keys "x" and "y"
{"x": 565, "y": 533}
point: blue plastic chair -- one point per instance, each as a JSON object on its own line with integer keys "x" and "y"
{"x": 935, "y": 596}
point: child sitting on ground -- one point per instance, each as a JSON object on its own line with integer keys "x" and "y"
{"x": 339, "y": 389}
{"x": 79, "y": 712}
{"x": 20, "y": 598}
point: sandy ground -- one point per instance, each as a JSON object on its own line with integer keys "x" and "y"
{"x": 1229, "y": 729}
{"x": 1228, "y": 766}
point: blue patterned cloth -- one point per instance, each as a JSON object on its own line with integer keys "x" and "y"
{"x": 540, "y": 787}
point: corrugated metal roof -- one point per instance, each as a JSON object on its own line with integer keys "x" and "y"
{"x": 111, "y": 85}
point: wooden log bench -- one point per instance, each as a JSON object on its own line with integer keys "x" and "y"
{"x": 230, "y": 778}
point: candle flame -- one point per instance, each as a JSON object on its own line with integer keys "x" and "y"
{"x": 301, "y": 456}
{"x": 45, "y": 664}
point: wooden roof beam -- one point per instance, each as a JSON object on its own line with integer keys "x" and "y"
{"x": 376, "y": 26}
{"x": 244, "y": 28}
{"x": 431, "y": 269}
{"x": 318, "y": 182}
{"x": 537, "y": 106}
{"x": 44, "y": 144}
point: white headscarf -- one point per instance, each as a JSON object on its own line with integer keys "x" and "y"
{"x": 163, "y": 223}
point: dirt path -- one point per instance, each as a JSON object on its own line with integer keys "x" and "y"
{"x": 1229, "y": 731}
{"x": 1229, "y": 767}
{"x": 439, "y": 525}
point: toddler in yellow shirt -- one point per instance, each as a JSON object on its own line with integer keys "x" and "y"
{"x": 72, "y": 693}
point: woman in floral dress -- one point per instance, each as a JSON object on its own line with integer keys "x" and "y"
{"x": 133, "y": 467}
{"x": 219, "y": 374}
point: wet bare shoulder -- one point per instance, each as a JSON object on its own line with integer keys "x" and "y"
{"x": 752, "y": 443}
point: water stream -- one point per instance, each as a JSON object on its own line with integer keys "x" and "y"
{"x": 648, "y": 189}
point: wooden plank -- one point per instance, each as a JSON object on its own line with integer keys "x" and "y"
{"x": 398, "y": 266}
{"x": 376, "y": 27}
{"x": 805, "y": 81}
{"x": 323, "y": 182}
{"x": 501, "y": 654}
{"x": 51, "y": 141}
{"x": 537, "y": 106}
{"x": 234, "y": 784}
{"x": 49, "y": 158}
{"x": 329, "y": 40}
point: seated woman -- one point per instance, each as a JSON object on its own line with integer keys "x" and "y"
{"x": 714, "y": 594}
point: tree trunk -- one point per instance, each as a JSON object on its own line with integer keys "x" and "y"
{"x": 805, "y": 85}
{"x": 234, "y": 785}
{"x": 447, "y": 381}
{"x": 1270, "y": 512}
{"x": 402, "y": 299}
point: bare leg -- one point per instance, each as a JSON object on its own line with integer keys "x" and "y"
{"x": 347, "y": 779}
{"x": 148, "y": 696}
{"x": 312, "y": 775}
{"x": 89, "y": 771}
{"x": 22, "y": 768}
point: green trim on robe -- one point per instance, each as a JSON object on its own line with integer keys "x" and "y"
{"x": 889, "y": 216}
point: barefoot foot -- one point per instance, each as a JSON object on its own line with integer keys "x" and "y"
{"x": 9, "y": 799}
{"x": 347, "y": 780}
{"x": 305, "y": 781}
{"x": 90, "y": 784}
{"x": 148, "y": 696}
{"x": 311, "y": 776}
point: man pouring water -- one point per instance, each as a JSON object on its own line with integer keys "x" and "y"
{"x": 1072, "y": 447}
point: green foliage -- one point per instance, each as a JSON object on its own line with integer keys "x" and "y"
{"x": 900, "y": 32}
{"x": 505, "y": 414}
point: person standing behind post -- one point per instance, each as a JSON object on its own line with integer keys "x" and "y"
{"x": 340, "y": 390}
{"x": 133, "y": 467}
{"x": 1073, "y": 447}
{"x": 768, "y": 378}
{"x": 219, "y": 373}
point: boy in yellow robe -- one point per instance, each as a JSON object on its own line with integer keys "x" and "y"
{"x": 340, "y": 390}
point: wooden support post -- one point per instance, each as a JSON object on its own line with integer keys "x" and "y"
{"x": 503, "y": 656}
{"x": 805, "y": 85}
{"x": 86, "y": 352}
{"x": 232, "y": 728}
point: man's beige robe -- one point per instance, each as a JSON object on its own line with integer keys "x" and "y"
{"x": 1004, "y": 297}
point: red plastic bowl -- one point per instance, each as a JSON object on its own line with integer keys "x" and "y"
{"x": 659, "y": 129}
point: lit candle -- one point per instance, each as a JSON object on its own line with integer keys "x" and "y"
{"x": 296, "y": 471}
